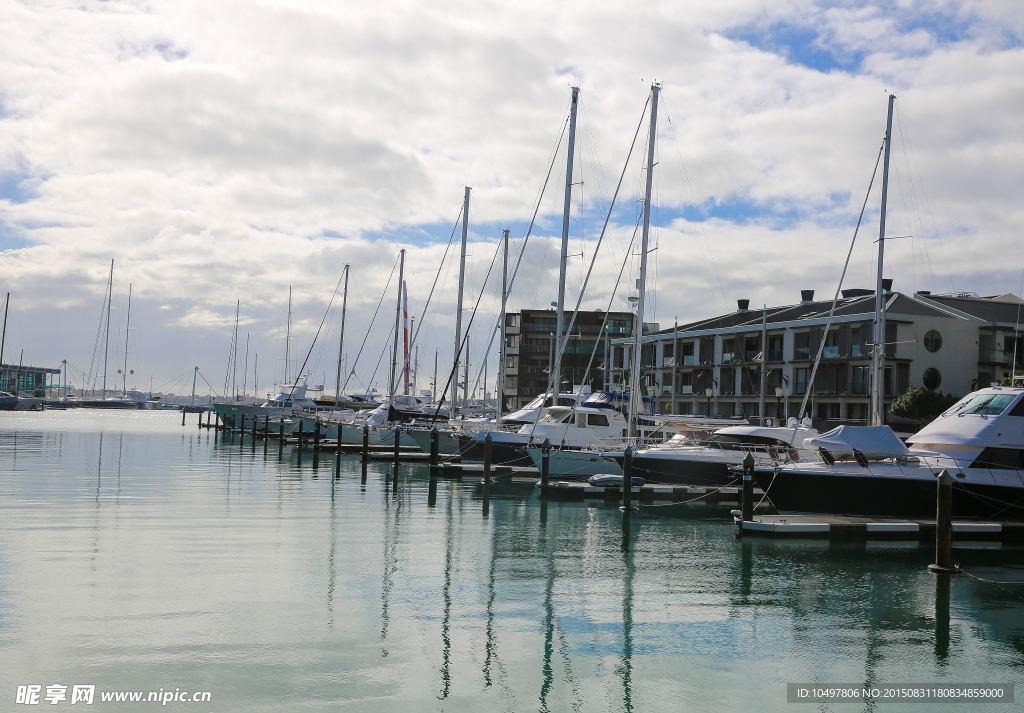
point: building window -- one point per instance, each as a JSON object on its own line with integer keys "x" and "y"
{"x": 932, "y": 340}
{"x": 932, "y": 378}
{"x": 511, "y": 320}
{"x": 802, "y": 345}
{"x": 800, "y": 377}
{"x": 728, "y": 351}
{"x": 512, "y": 361}
{"x": 511, "y": 341}
{"x": 688, "y": 357}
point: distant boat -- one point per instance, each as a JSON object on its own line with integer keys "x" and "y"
{"x": 8, "y": 402}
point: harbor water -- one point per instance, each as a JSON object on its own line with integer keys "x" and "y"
{"x": 138, "y": 555}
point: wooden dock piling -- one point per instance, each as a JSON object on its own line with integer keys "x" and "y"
{"x": 627, "y": 480}
{"x": 748, "y": 487}
{"x": 943, "y": 525}
{"x": 545, "y": 463}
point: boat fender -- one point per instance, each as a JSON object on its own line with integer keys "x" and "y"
{"x": 794, "y": 454}
{"x": 862, "y": 460}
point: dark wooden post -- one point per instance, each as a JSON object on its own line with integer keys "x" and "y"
{"x": 366, "y": 442}
{"x": 944, "y": 525}
{"x": 627, "y": 480}
{"x": 545, "y": 462}
{"x": 748, "y": 488}
{"x": 207, "y": 419}
{"x": 316, "y": 435}
{"x": 280, "y": 437}
{"x": 398, "y": 438}
{"x": 182, "y": 415}
{"x": 487, "y": 473}
{"x": 241, "y": 434}
{"x": 434, "y": 448}
{"x": 200, "y": 419}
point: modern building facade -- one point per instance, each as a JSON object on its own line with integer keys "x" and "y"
{"x": 950, "y": 343}
{"x": 30, "y": 380}
{"x": 530, "y": 344}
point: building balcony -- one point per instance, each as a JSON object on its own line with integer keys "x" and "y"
{"x": 668, "y": 361}
{"x": 801, "y": 353}
{"x": 728, "y": 358}
{"x": 830, "y": 353}
{"x": 994, "y": 357}
{"x": 775, "y": 355}
{"x": 859, "y": 388}
{"x": 686, "y": 389}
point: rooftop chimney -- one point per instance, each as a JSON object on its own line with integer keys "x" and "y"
{"x": 744, "y": 305}
{"x": 806, "y": 296}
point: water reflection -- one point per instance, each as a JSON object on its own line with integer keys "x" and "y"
{"x": 174, "y": 536}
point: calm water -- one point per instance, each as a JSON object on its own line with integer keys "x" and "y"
{"x": 137, "y": 555}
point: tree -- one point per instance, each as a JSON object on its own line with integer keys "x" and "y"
{"x": 923, "y": 405}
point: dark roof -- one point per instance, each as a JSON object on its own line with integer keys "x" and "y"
{"x": 987, "y": 310}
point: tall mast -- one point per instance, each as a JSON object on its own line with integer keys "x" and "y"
{"x": 878, "y": 352}
{"x": 106, "y": 347}
{"x": 341, "y": 340}
{"x": 433, "y": 384}
{"x": 128, "y": 323}
{"x": 195, "y": 373}
{"x": 465, "y": 379}
{"x": 635, "y": 398}
{"x": 234, "y": 353}
{"x": 405, "y": 339}
{"x": 398, "y": 323}
{"x": 288, "y": 335}
{"x": 500, "y": 391}
{"x": 462, "y": 280}
{"x": 245, "y": 367}
{"x": 255, "y": 375}
{"x": 3, "y": 338}
{"x": 764, "y": 364}
{"x": 556, "y": 369}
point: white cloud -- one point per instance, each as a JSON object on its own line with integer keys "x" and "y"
{"x": 210, "y": 148}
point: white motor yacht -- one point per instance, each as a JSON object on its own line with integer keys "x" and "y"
{"x": 869, "y": 471}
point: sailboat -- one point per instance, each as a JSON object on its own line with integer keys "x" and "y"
{"x": 127, "y": 399}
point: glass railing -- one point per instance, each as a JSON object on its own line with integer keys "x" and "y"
{"x": 855, "y": 350}
{"x": 859, "y": 388}
{"x": 728, "y": 358}
{"x": 775, "y": 355}
{"x": 830, "y": 353}
{"x": 689, "y": 360}
{"x": 802, "y": 353}
{"x": 686, "y": 389}
{"x": 668, "y": 361}
{"x": 993, "y": 356}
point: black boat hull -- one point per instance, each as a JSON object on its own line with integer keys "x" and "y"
{"x": 874, "y": 495}
{"x": 672, "y": 471}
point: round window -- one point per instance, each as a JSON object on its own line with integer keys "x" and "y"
{"x": 932, "y": 379}
{"x": 932, "y": 341}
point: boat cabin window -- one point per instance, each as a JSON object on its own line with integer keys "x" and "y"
{"x": 597, "y": 419}
{"x": 1017, "y": 410}
{"x": 983, "y": 404}
{"x": 1000, "y": 459}
{"x": 730, "y": 442}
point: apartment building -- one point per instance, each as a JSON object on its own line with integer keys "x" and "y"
{"x": 951, "y": 343}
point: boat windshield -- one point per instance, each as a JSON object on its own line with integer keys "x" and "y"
{"x": 983, "y": 404}
{"x": 731, "y": 442}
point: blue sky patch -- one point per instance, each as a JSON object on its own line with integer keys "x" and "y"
{"x": 18, "y": 186}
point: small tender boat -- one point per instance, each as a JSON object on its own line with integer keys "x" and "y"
{"x": 611, "y": 480}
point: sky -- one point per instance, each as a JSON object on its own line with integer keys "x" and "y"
{"x": 223, "y": 153}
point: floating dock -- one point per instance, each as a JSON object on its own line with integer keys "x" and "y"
{"x": 877, "y": 528}
{"x": 679, "y": 493}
